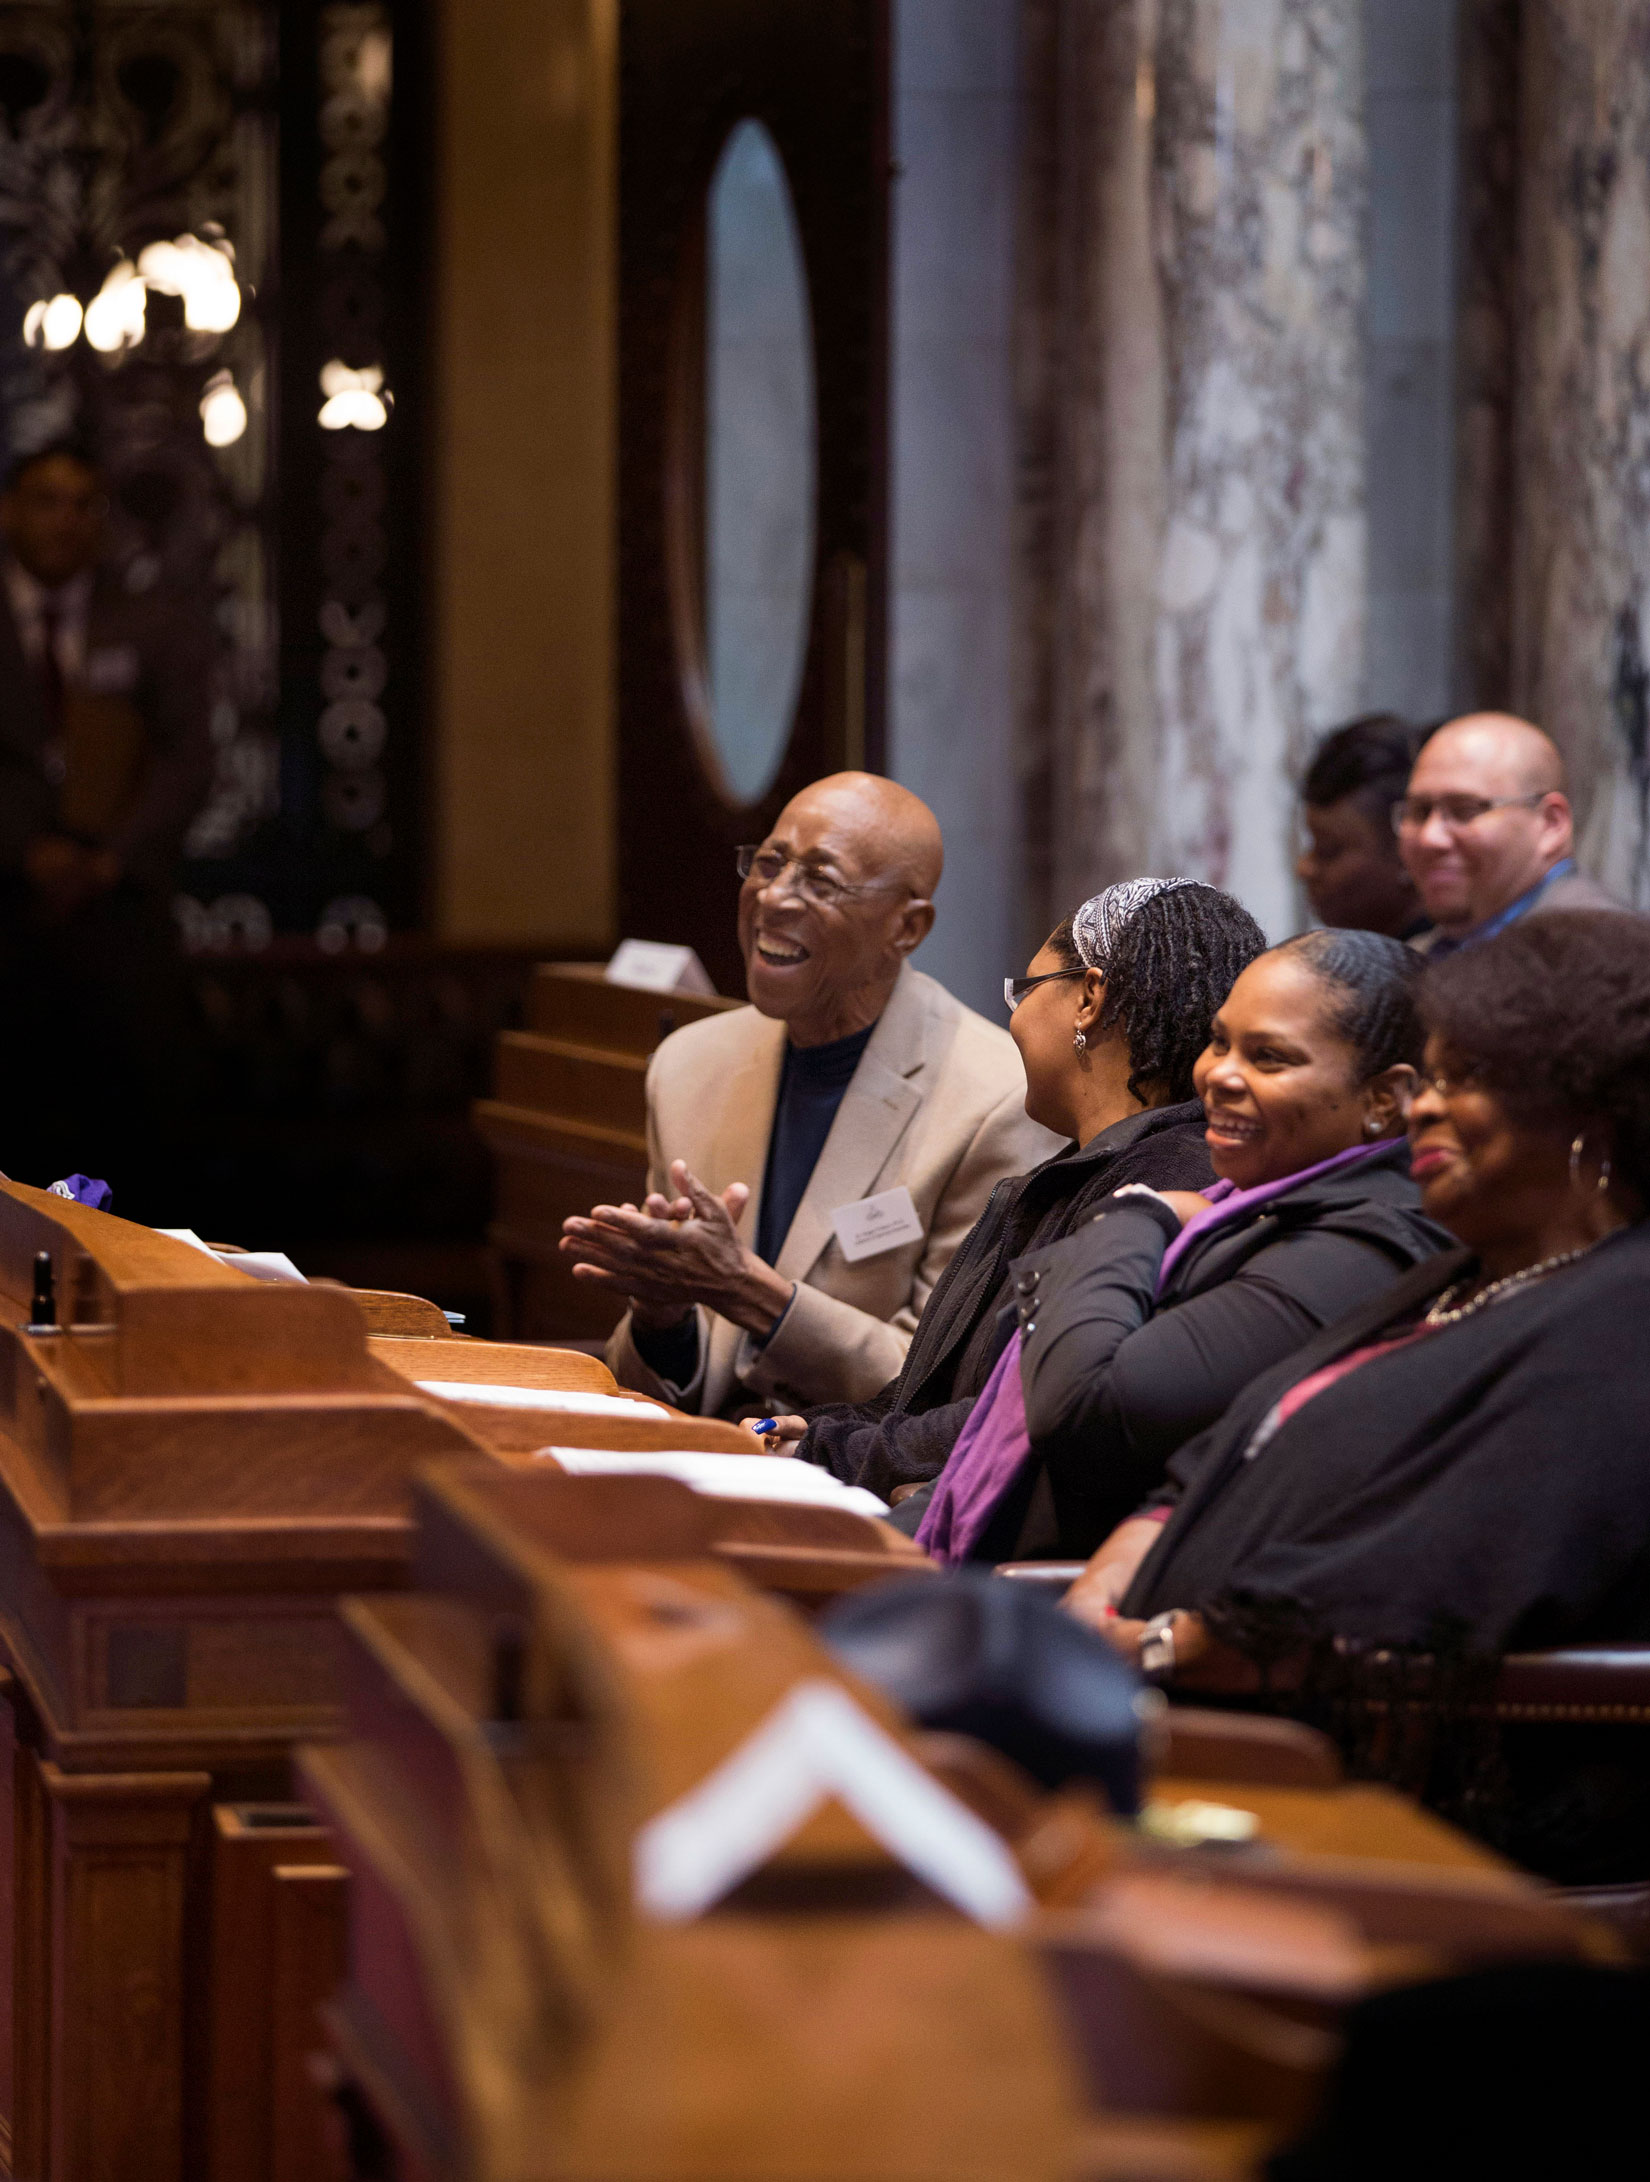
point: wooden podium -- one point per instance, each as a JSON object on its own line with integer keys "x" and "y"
{"x": 193, "y": 1466}
{"x": 568, "y": 1130}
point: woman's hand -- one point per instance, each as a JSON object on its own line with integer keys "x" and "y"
{"x": 1190, "y": 1632}
{"x": 1185, "y": 1204}
{"x": 1093, "y": 1598}
{"x": 777, "y": 1435}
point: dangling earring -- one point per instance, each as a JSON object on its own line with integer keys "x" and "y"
{"x": 1079, "y": 1045}
{"x": 1603, "y": 1182}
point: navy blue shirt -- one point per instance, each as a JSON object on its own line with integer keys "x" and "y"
{"x": 812, "y": 1081}
{"x": 811, "y": 1088}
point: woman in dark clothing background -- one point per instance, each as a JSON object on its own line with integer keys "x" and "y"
{"x": 1350, "y": 868}
{"x": 1472, "y": 1448}
{"x": 1137, "y": 1331}
{"x": 1110, "y": 1017}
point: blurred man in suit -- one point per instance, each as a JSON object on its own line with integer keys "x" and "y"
{"x": 105, "y": 757}
{"x": 1486, "y": 832}
{"x": 816, "y": 1157}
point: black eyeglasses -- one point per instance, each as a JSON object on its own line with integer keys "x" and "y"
{"x": 1016, "y": 988}
{"x": 1411, "y": 813}
{"x": 823, "y": 888}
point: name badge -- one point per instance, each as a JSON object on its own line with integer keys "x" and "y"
{"x": 876, "y": 1224}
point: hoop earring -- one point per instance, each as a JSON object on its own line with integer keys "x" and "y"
{"x": 1079, "y": 1044}
{"x": 1603, "y": 1182}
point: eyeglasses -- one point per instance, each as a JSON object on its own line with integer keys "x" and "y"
{"x": 823, "y": 888}
{"x": 1016, "y": 988}
{"x": 1447, "y": 1082}
{"x": 1411, "y": 813}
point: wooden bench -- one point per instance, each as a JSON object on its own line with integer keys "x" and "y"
{"x": 567, "y": 1127}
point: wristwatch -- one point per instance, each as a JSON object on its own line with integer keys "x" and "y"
{"x": 1156, "y": 1654}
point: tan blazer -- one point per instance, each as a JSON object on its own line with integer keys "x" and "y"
{"x": 937, "y": 1103}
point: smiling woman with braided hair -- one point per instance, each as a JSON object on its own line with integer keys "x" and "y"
{"x": 1109, "y": 1019}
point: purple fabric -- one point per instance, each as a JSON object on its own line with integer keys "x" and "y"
{"x": 994, "y": 1445}
{"x": 990, "y": 1452}
{"x": 1228, "y": 1202}
{"x": 85, "y": 1191}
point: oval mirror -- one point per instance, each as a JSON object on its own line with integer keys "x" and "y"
{"x": 759, "y": 463}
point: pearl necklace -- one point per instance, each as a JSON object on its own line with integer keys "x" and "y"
{"x": 1442, "y": 1315}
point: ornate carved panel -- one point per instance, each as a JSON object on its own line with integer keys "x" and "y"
{"x": 266, "y": 463}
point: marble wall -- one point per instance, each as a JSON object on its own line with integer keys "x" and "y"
{"x": 1411, "y": 110}
{"x": 1195, "y": 408}
{"x": 1581, "y": 575}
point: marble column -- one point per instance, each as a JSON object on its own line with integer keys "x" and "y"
{"x": 1193, "y": 490}
{"x": 1486, "y": 347}
{"x": 1581, "y": 579}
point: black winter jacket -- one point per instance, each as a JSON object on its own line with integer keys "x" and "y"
{"x": 1117, "y": 1377}
{"x": 904, "y": 1434}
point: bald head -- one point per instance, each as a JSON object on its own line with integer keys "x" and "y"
{"x": 1486, "y": 818}
{"x": 1495, "y": 747}
{"x": 893, "y": 834}
{"x": 838, "y": 899}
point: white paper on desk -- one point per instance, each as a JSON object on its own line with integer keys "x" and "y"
{"x": 816, "y": 1744}
{"x": 725, "y": 1477}
{"x": 542, "y": 1397}
{"x": 270, "y": 1265}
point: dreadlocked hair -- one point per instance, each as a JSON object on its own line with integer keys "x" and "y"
{"x": 1173, "y": 964}
{"x": 1373, "y": 982}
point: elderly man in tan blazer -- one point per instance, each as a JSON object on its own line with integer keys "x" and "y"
{"x": 816, "y": 1157}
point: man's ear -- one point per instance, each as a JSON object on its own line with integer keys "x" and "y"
{"x": 1557, "y": 818}
{"x": 915, "y": 924}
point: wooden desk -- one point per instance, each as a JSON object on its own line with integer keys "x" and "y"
{"x": 514, "y": 1723}
{"x": 192, "y": 1468}
{"x": 550, "y": 1687}
{"x": 567, "y": 1127}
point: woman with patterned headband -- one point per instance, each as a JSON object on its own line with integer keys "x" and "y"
{"x": 1137, "y": 1332}
{"x": 1111, "y": 1014}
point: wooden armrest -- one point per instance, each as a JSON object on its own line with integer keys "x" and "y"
{"x": 1603, "y": 1682}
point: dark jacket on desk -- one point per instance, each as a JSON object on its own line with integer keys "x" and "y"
{"x": 1118, "y": 1377}
{"x": 904, "y": 1434}
{"x": 145, "y": 652}
{"x": 1495, "y": 1472}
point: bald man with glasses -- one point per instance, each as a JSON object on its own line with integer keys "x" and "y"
{"x": 1486, "y": 833}
{"x": 815, "y": 1158}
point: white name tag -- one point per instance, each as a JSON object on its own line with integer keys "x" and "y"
{"x": 876, "y": 1224}
{"x": 657, "y": 968}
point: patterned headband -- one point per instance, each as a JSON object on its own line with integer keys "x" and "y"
{"x": 1098, "y": 925}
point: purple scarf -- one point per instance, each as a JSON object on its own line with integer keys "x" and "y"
{"x": 994, "y": 1445}
{"x": 1228, "y": 1202}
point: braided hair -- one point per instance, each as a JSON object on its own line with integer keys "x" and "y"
{"x": 1170, "y": 967}
{"x": 1374, "y": 983}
